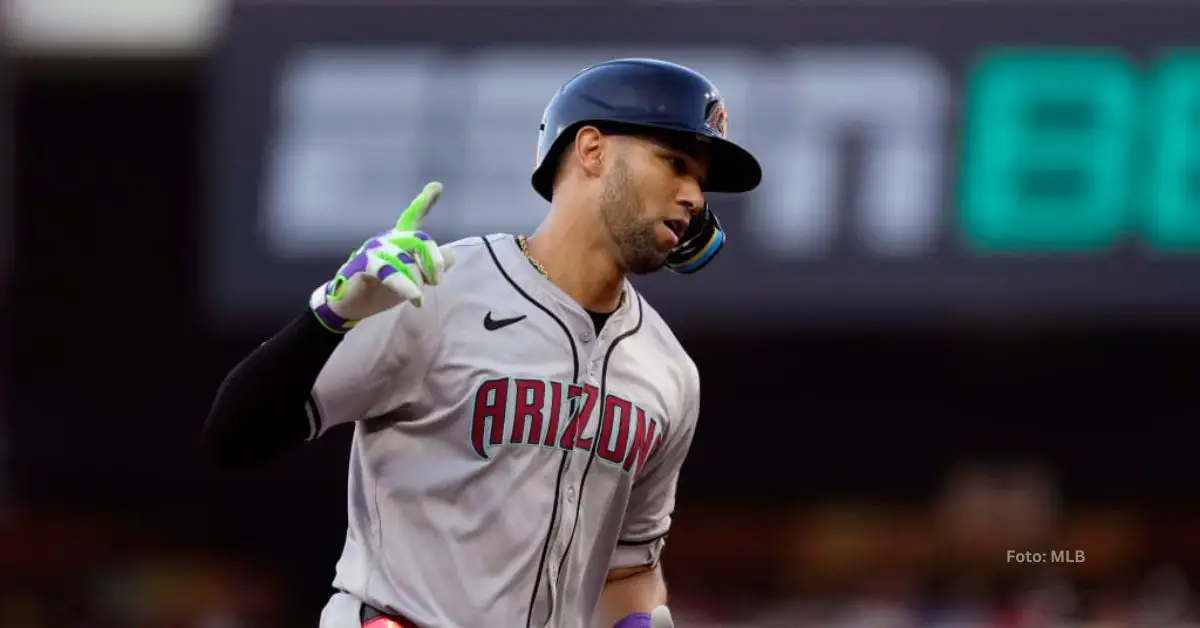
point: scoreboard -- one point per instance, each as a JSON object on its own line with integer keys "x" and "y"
{"x": 954, "y": 164}
{"x": 1074, "y": 149}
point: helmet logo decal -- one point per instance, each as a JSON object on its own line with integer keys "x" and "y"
{"x": 716, "y": 117}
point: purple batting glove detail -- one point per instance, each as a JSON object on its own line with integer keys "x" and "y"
{"x": 332, "y": 321}
{"x": 388, "y": 271}
{"x": 421, "y": 235}
{"x": 634, "y": 620}
{"x": 358, "y": 263}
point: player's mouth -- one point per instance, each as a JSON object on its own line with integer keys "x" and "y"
{"x": 677, "y": 227}
{"x": 667, "y": 236}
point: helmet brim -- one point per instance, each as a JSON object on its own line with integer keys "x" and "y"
{"x": 732, "y": 169}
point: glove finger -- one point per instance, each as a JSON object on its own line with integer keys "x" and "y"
{"x": 420, "y": 247}
{"x": 418, "y": 209}
{"x": 398, "y": 273}
{"x": 404, "y": 287}
{"x": 432, "y": 263}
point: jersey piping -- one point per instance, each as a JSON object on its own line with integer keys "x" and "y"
{"x": 596, "y": 441}
{"x": 562, "y": 464}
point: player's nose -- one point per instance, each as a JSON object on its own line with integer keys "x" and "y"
{"x": 691, "y": 197}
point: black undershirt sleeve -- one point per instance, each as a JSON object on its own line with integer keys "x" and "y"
{"x": 263, "y": 406}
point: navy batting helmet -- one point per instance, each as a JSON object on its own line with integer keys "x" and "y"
{"x": 660, "y": 98}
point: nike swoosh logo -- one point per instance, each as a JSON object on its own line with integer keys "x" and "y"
{"x": 492, "y": 324}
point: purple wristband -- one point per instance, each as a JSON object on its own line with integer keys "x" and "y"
{"x": 634, "y": 620}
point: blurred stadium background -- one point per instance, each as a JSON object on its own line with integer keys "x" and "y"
{"x": 961, "y": 317}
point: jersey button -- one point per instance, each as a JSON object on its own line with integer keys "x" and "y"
{"x": 571, "y": 494}
{"x": 586, "y": 336}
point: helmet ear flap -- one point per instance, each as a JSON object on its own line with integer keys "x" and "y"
{"x": 701, "y": 242}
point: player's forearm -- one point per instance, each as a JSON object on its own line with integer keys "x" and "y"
{"x": 259, "y": 410}
{"x": 628, "y": 591}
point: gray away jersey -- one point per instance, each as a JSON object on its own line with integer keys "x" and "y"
{"x": 505, "y": 458}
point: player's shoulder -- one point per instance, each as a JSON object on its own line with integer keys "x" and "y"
{"x": 476, "y": 248}
{"x": 474, "y": 256}
{"x": 672, "y": 350}
{"x": 478, "y": 262}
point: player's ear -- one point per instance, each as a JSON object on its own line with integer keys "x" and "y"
{"x": 589, "y": 150}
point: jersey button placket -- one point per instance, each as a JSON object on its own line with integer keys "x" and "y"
{"x": 590, "y": 352}
{"x": 569, "y": 495}
{"x": 552, "y": 591}
{"x": 566, "y": 524}
{"x": 594, "y": 364}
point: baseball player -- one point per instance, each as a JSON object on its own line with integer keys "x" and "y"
{"x": 520, "y": 412}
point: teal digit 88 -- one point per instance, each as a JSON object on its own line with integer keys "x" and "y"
{"x": 1048, "y": 149}
{"x": 1171, "y": 194}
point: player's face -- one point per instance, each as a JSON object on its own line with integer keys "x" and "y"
{"x": 649, "y": 194}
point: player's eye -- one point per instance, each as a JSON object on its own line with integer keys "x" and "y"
{"x": 678, "y": 164}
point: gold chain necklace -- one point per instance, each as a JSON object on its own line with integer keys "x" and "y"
{"x": 524, "y": 246}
